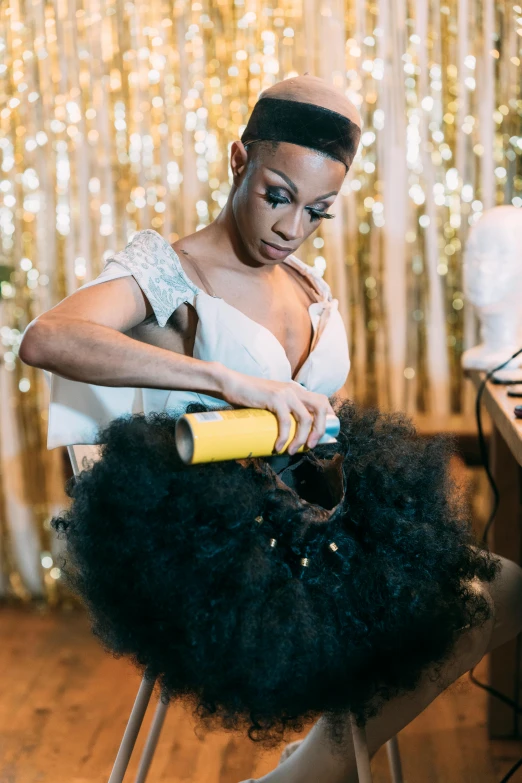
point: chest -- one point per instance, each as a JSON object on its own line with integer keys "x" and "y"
{"x": 283, "y": 311}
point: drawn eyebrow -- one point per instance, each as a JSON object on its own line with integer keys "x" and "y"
{"x": 288, "y": 181}
{"x": 326, "y": 195}
{"x": 293, "y": 186}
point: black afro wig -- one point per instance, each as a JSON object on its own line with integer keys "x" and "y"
{"x": 198, "y": 574}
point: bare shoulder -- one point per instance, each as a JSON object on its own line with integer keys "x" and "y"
{"x": 192, "y": 270}
{"x": 302, "y": 283}
{"x": 314, "y": 279}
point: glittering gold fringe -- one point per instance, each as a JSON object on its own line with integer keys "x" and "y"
{"x": 117, "y": 116}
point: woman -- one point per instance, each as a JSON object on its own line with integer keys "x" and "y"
{"x": 228, "y": 314}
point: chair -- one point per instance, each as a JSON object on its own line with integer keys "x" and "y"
{"x": 362, "y": 756}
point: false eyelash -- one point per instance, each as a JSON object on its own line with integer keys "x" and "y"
{"x": 317, "y": 215}
{"x": 274, "y": 200}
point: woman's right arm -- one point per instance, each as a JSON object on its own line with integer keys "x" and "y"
{"x": 82, "y": 338}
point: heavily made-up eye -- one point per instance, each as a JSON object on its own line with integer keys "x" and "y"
{"x": 274, "y": 198}
{"x": 316, "y": 214}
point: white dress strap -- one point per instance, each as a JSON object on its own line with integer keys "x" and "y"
{"x": 312, "y": 275}
{"x": 155, "y": 266}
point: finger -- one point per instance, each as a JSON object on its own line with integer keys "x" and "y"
{"x": 318, "y": 428}
{"x": 304, "y": 421}
{"x": 313, "y": 401}
{"x": 328, "y": 405}
{"x": 284, "y": 423}
{"x": 329, "y": 410}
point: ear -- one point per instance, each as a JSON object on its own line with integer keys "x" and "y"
{"x": 238, "y": 161}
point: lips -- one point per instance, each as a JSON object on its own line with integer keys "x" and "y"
{"x": 278, "y": 247}
{"x": 274, "y": 251}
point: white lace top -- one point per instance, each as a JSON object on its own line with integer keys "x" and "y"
{"x": 224, "y": 334}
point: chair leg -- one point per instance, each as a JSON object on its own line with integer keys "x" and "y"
{"x": 152, "y": 741}
{"x": 131, "y": 731}
{"x": 394, "y": 760}
{"x": 362, "y": 756}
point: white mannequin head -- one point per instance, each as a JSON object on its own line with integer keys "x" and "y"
{"x": 493, "y": 259}
{"x": 493, "y": 284}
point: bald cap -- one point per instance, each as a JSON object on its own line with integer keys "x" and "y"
{"x": 309, "y": 112}
{"x": 312, "y": 89}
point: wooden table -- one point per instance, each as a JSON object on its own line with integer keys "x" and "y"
{"x": 505, "y": 539}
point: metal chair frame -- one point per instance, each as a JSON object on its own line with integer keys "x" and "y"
{"x": 362, "y": 755}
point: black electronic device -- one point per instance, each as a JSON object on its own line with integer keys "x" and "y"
{"x": 507, "y": 377}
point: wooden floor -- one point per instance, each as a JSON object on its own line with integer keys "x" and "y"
{"x": 64, "y": 704}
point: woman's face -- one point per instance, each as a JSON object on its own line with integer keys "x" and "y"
{"x": 281, "y": 196}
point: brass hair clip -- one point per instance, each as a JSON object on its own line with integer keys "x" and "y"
{"x": 260, "y": 520}
{"x": 305, "y": 563}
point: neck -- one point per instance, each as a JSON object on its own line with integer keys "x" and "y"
{"x": 227, "y": 244}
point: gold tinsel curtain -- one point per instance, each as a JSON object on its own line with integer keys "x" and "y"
{"x": 117, "y": 116}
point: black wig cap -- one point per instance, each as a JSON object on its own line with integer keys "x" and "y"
{"x": 305, "y": 124}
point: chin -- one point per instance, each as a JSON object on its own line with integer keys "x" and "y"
{"x": 256, "y": 254}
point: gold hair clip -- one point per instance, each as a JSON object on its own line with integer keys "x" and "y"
{"x": 259, "y": 519}
{"x": 273, "y": 542}
{"x": 305, "y": 562}
{"x": 333, "y": 546}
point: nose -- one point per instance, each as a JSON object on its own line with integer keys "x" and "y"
{"x": 290, "y": 226}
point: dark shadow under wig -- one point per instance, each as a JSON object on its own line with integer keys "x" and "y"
{"x": 179, "y": 576}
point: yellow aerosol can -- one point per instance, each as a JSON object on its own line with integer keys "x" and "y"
{"x": 214, "y": 436}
